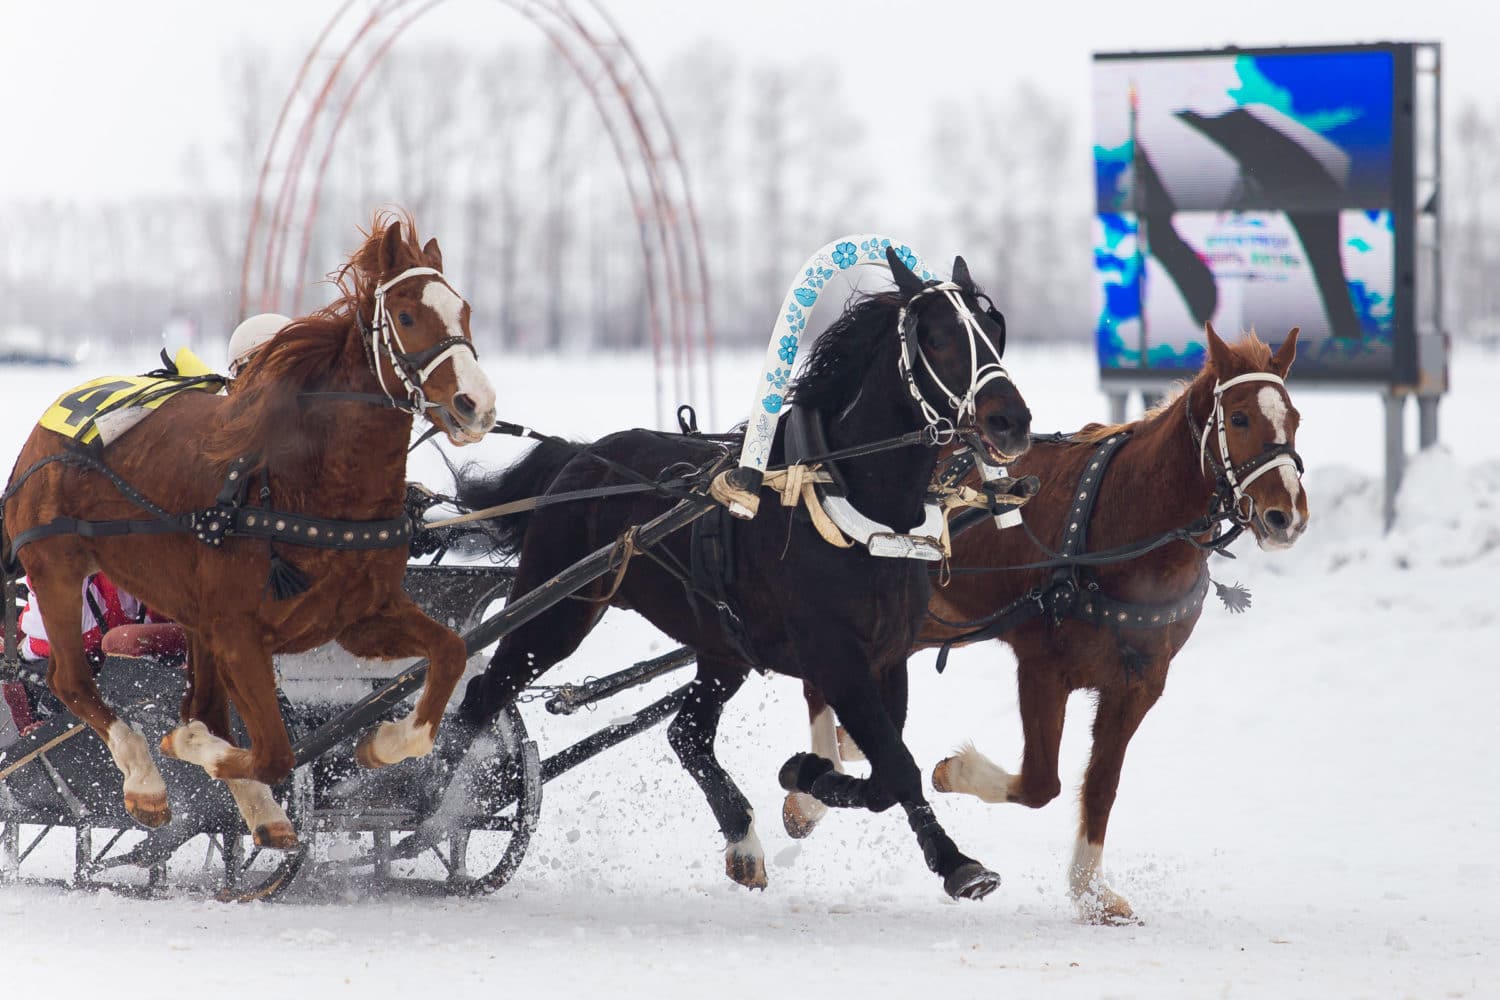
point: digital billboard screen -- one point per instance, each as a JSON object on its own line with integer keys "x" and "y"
{"x": 1251, "y": 190}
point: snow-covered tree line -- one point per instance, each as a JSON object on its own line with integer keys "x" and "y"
{"x": 501, "y": 156}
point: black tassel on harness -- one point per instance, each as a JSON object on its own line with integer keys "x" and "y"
{"x": 1235, "y": 597}
{"x": 286, "y": 581}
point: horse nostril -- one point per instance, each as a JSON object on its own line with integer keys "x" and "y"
{"x": 1277, "y": 519}
{"x": 997, "y": 423}
{"x": 464, "y": 406}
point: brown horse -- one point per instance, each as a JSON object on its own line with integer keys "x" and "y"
{"x": 1226, "y": 442}
{"x": 300, "y": 430}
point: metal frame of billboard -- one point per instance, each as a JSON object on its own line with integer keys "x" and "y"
{"x": 1419, "y": 363}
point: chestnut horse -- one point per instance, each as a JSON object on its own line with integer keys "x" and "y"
{"x": 300, "y": 430}
{"x": 1223, "y": 445}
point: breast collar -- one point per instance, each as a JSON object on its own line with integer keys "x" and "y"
{"x": 805, "y": 442}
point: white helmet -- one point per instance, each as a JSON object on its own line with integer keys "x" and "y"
{"x": 251, "y": 335}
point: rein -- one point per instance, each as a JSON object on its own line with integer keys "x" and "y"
{"x": 675, "y": 487}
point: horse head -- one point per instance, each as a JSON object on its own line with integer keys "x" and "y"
{"x": 420, "y": 345}
{"x": 952, "y": 341}
{"x": 1249, "y": 436}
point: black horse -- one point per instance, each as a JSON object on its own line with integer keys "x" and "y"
{"x": 841, "y": 619}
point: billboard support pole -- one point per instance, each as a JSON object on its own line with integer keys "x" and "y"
{"x": 1395, "y": 450}
{"x": 1117, "y": 402}
{"x": 1427, "y": 421}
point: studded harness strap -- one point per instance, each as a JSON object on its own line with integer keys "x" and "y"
{"x": 230, "y": 517}
{"x": 1074, "y": 593}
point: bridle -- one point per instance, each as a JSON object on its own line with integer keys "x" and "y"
{"x": 1234, "y": 479}
{"x": 412, "y": 369}
{"x": 942, "y": 429}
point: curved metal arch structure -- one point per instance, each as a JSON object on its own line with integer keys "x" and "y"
{"x": 350, "y": 48}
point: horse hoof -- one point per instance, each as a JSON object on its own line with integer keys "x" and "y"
{"x": 364, "y": 752}
{"x": 1107, "y": 910}
{"x": 971, "y": 880}
{"x": 746, "y": 869}
{"x": 150, "y": 811}
{"x": 800, "y": 814}
{"x": 940, "y": 780}
{"x": 801, "y": 770}
{"x": 276, "y": 836}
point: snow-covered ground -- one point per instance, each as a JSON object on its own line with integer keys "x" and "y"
{"x": 1310, "y": 811}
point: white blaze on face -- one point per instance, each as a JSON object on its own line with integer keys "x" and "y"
{"x": 470, "y": 378}
{"x": 1273, "y": 404}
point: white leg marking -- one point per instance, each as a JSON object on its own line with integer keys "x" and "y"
{"x": 196, "y": 745}
{"x": 745, "y": 859}
{"x": 393, "y": 742}
{"x": 1273, "y": 404}
{"x": 1095, "y": 900}
{"x": 972, "y": 773}
{"x": 132, "y": 757}
{"x": 825, "y": 738}
{"x": 257, "y": 805}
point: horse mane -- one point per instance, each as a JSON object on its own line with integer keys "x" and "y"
{"x": 841, "y": 358}
{"x": 265, "y": 413}
{"x": 1253, "y": 353}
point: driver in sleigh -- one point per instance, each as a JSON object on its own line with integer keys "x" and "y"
{"x": 114, "y": 624}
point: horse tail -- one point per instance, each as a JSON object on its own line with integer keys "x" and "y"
{"x": 530, "y": 477}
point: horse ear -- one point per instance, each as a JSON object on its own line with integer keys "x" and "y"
{"x": 1219, "y": 353}
{"x": 432, "y": 255}
{"x": 1281, "y": 363}
{"x": 907, "y": 282}
{"x": 961, "y": 274}
{"x": 392, "y": 248}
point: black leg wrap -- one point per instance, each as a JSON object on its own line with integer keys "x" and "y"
{"x": 963, "y": 877}
{"x": 729, "y": 805}
{"x": 841, "y": 791}
{"x": 937, "y": 847}
{"x": 801, "y": 770}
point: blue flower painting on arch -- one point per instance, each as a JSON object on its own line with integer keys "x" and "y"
{"x": 788, "y": 350}
{"x": 772, "y": 403}
{"x": 778, "y": 377}
{"x": 845, "y": 255}
{"x": 907, "y": 257}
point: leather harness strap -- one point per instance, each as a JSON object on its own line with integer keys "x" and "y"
{"x": 1074, "y": 593}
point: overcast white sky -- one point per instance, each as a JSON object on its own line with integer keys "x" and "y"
{"x": 102, "y": 98}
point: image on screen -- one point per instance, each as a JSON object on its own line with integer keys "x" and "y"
{"x": 1250, "y": 191}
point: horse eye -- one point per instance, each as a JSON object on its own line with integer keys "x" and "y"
{"x": 937, "y": 341}
{"x": 405, "y": 319}
{"x": 1239, "y": 420}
